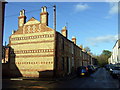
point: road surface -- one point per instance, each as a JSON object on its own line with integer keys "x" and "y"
{"x": 100, "y": 79}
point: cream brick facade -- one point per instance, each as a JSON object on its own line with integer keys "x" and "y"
{"x": 32, "y": 47}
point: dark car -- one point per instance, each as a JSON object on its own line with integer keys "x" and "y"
{"x": 91, "y": 69}
{"x": 109, "y": 67}
{"x": 115, "y": 72}
{"x": 96, "y": 67}
{"x": 82, "y": 71}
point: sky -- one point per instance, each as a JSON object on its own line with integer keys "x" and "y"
{"x": 94, "y": 24}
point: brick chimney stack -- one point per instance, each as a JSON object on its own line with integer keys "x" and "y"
{"x": 44, "y": 15}
{"x": 89, "y": 53}
{"x": 83, "y": 50}
{"x": 64, "y": 31}
{"x": 21, "y": 19}
{"x": 81, "y": 46}
{"x": 74, "y": 40}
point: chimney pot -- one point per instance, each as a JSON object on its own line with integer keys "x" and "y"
{"x": 13, "y": 31}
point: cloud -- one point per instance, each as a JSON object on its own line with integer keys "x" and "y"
{"x": 113, "y": 8}
{"x": 102, "y": 39}
{"x": 81, "y": 7}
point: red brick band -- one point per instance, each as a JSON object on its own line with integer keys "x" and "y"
{"x": 32, "y": 56}
{"x": 32, "y": 51}
{"x": 32, "y": 37}
{"x": 33, "y": 42}
{"x": 38, "y": 63}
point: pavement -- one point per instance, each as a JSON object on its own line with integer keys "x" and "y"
{"x": 69, "y": 77}
{"x": 24, "y": 82}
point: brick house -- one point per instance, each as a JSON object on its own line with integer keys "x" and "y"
{"x": 37, "y": 50}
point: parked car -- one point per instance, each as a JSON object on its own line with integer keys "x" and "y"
{"x": 82, "y": 71}
{"x": 115, "y": 72}
{"x": 106, "y": 67}
{"x": 109, "y": 67}
{"x": 91, "y": 69}
{"x": 96, "y": 67}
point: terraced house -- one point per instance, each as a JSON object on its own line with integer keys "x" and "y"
{"x": 37, "y": 50}
{"x": 115, "y": 57}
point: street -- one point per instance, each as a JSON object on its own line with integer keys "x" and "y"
{"x": 100, "y": 79}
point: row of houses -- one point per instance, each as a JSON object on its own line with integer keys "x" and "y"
{"x": 115, "y": 57}
{"x": 36, "y": 50}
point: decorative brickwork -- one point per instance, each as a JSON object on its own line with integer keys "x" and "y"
{"x": 32, "y": 42}
{"x": 33, "y": 51}
{"x": 32, "y": 48}
{"x": 33, "y": 37}
{"x": 32, "y": 56}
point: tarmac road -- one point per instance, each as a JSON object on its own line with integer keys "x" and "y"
{"x": 100, "y": 79}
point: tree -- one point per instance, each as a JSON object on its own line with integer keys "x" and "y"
{"x": 107, "y": 53}
{"x": 103, "y": 57}
{"x": 87, "y": 49}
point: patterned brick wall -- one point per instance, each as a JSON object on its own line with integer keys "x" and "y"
{"x": 32, "y": 52}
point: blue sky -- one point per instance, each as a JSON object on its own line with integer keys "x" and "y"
{"x": 94, "y": 24}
